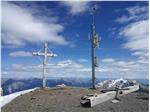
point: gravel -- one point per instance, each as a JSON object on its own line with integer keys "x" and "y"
{"x": 67, "y": 99}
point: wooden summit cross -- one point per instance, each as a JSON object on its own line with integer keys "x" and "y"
{"x": 45, "y": 54}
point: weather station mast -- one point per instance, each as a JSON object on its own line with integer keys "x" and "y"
{"x": 45, "y": 55}
{"x": 94, "y": 38}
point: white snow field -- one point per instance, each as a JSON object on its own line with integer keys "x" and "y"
{"x": 8, "y": 98}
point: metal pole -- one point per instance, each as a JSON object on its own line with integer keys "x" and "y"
{"x": 44, "y": 79}
{"x": 44, "y": 65}
{"x": 93, "y": 55}
{"x": 94, "y": 45}
{"x": 93, "y": 65}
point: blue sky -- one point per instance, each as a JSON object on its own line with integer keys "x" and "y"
{"x": 122, "y": 26}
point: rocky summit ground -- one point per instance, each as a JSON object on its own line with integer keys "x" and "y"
{"x": 68, "y": 100}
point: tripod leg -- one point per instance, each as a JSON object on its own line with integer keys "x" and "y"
{"x": 116, "y": 95}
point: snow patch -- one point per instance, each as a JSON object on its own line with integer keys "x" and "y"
{"x": 8, "y": 98}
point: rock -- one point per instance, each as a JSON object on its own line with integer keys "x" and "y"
{"x": 61, "y": 85}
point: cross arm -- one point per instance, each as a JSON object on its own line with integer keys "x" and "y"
{"x": 42, "y": 54}
{"x": 37, "y": 54}
{"x": 51, "y": 55}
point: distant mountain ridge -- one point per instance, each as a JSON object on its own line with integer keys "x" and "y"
{"x": 14, "y": 85}
{"x": 121, "y": 83}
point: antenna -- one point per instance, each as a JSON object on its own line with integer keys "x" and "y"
{"x": 93, "y": 14}
{"x": 94, "y": 44}
{"x": 45, "y": 54}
